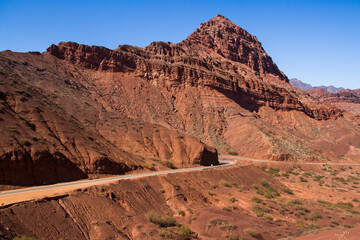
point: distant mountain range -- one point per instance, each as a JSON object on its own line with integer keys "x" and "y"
{"x": 345, "y": 99}
{"x": 304, "y": 86}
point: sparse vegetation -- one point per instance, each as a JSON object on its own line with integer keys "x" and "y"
{"x": 234, "y": 153}
{"x": 256, "y": 199}
{"x": 185, "y": 232}
{"x": 25, "y": 142}
{"x": 348, "y": 225}
{"x": 287, "y": 190}
{"x": 166, "y": 233}
{"x": 253, "y": 232}
{"x": 23, "y": 237}
{"x": 295, "y": 201}
{"x": 232, "y": 199}
{"x": 168, "y": 164}
{"x": 302, "y": 179}
{"x": 314, "y": 216}
{"x": 225, "y": 183}
{"x": 228, "y": 209}
{"x": 149, "y": 166}
{"x": 164, "y": 220}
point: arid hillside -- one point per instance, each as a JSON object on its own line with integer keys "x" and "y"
{"x": 219, "y": 85}
{"x": 54, "y": 129}
{"x": 242, "y": 202}
{"x": 80, "y": 111}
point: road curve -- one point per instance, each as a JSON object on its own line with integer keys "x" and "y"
{"x": 25, "y": 194}
{"x": 38, "y": 192}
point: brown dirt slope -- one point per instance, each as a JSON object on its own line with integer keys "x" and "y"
{"x": 233, "y": 202}
{"x": 54, "y": 129}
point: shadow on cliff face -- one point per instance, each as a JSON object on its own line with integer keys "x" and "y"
{"x": 18, "y": 167}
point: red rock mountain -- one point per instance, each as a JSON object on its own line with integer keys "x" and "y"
{"x": 93, "y": 110}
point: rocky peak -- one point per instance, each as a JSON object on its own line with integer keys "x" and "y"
{"x": 232, "y": 42}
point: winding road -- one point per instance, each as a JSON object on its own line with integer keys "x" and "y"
{"x": 59, "y": 189}
{"x": 38, "y": 192}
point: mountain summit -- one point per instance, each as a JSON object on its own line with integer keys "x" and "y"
{"x": 234, "y": 43}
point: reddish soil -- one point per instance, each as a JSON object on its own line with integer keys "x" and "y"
{"x": 218, "y": 203}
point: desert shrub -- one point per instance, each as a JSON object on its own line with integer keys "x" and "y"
{"x": 232, "y": 199}
{"x": 232, "y": 237}
{"x": 340, "y": 179}
{"x": 228, "y": 209}
{"x": 264, "y": 182}
{"x": 256, "y": 199}
{"x": 314, "y": 216}
{"x": 345, "y": 205}
{"x": 234, "y": 153}
{"x": 302, "y": 208}
{"x": 168, "y": 164}
{"x": 166, "y": 233}
{"x": 259, "y": 210}
{"x": 182, "y": 213}
{"x": 241, "y": 188}
{"x": 227, "y": 227}
{"x": 24, "y": 142}
{"x": 332, "y": 221}
{"x": 302, "y": 179}
{"x": 253, "y": 232}
{"x": 164, "y": 220}
{"x": 185, "y": 232}
{"x": 225, "y": 183}
{"x": 217, "y": 222}
{"x": 348, "y": 225}
{"x": 287, "y": 190}
{"x": 149, "y": 166}
{"x": 268, "y": 217}
{"x": 324, "y": 203}
{"x": 274, "y": 172}
{"x": 355, "y": 200}
{"x": 294, "y": 201}
{"x": 23, "y": 237}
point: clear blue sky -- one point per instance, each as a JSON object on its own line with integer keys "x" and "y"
{"x": 315, "y": 41}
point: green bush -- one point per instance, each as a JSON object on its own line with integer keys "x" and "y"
{"x": 232, "y": 199}
{"x": 234, "y": 153}
{"x": 164, "y": 220}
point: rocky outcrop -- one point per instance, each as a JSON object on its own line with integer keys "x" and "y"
{"x": 218, "y": 55}
{"x": 232, "y": 42}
